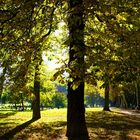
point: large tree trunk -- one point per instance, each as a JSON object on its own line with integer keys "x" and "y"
{"x": 106, "y": 105}
{"x": 36, "y": 99}
{"x": 76, "y": 126}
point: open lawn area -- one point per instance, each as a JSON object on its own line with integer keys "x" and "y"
{"x": 115, "y": 125}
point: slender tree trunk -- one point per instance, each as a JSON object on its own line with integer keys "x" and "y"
{"x": 22, "y": 102}
{"x": 76, "y": 125}
{"x": 36, "y": 100}
{"x": 137, "y": 96}
{"x": 2, "y": 79}
{"x": 15, "y": 106}
{"x": 106, "y": 105}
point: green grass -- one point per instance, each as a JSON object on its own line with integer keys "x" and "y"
{"x": 113, "y": 125}
{"x": 52, "y": 125}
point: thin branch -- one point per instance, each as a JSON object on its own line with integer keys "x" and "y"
{"x": 10, "y": 18}
{"x": 98, "y": 17}
{"x": 51, "y": 20}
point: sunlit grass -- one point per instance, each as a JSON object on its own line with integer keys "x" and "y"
{"x": 94, "y": 109}
{"x": 52, "y": 125}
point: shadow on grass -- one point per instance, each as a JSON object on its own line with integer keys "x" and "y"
{"x": 17, "y": 129}
{"x": 43, "y": 131}
{"x": 7, "y": 114}
{"x": 131, "y": 113}
{"x": 110, "y": 125}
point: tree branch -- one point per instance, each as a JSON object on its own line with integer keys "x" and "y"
{"x": 51, "y": 20}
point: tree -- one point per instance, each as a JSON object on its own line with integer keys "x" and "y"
{"x": 59, "y": 100}
{"x": 110, "y": 27}
{"x": 2, "y": 77}
{"x": 36, "y": 92}
{"x": 28, "y": 33}
{"x": 76, "y": 126}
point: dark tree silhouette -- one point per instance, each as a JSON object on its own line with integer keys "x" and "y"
{"x": 76, "y": 126}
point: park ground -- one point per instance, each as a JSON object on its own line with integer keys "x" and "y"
{"x": 115, "y": 125}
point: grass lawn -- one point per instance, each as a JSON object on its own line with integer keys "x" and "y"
{"x": 18, "y": 125}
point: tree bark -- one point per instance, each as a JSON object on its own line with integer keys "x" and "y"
{"x": 36, "y": 100}
{"x": 106, "y": 105}
{"x": 15, "y": 106}
{"x": 2, "y": 79}
{"x": 76, "y": 125}
{"x": 22, "y": 102}
{"x": 137, "y": 96}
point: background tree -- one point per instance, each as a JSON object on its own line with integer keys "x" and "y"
{"x": 39, "y": 18}
{"x": 110, "y": 21}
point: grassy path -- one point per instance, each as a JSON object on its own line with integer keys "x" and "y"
{"x": 52, "y": 126}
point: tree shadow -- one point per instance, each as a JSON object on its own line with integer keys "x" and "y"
{"x": 17, "y": 129}
{"x": 104, "y": 125}
{"x": 5, "y": 115}
{"x": 43, "y": 131}
{"x": 132, "y": 113}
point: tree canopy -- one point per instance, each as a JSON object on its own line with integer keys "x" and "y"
{"x": 94, "y": 42}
